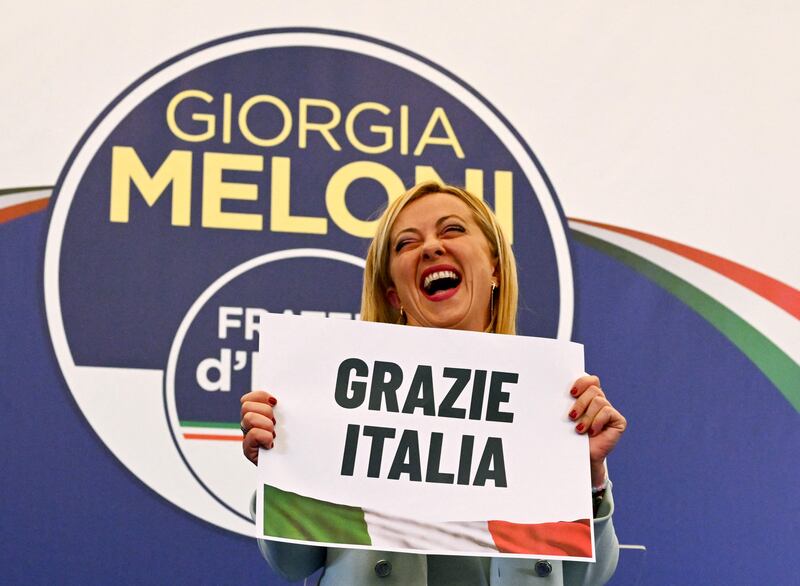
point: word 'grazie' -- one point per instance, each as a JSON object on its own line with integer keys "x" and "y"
{"x": 354, "y": 378}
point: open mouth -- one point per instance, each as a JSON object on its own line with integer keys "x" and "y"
{"x": 439, "y": 283}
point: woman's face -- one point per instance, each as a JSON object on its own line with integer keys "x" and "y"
{"x": 441, "y": 265}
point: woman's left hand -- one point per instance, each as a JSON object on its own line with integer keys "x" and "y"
{"x": 594, "y": 415}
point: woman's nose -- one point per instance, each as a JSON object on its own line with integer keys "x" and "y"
{"x": 432, "y": 248}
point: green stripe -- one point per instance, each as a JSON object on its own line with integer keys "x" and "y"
{"x": 781, "y": 370}
{"x": 290, "y": 515}
{"x": 13, "y": 190}
{"x": 217, "y": 424}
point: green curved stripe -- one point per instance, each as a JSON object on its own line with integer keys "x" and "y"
{"x": 781, "y": 370}
{"x": 15, "y": 190}
{"x": 215, "y": 424}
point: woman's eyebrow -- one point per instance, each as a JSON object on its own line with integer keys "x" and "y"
{"x": 404, "y": 230}
{"x": 443, "y": 219}
{"x": 439, "y": 222}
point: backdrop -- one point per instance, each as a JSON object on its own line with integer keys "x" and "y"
{"x": 159, "y": 163}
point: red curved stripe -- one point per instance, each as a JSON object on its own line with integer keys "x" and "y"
{"x": 22, "y": 209}
{"x": 781, "y": 294}
{"x": 212, "y": 436}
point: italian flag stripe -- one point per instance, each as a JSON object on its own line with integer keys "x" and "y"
{"x": 781, "y": 294}
{"x": 292, "y": 516}
{"x": 21, "y": 201}
{"x": 773, "y": 354}
{"x": 211, "y": 431}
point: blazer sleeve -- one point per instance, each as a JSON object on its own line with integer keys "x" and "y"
{"x": 606, "y": 550}
{"x": 290, "y": 560}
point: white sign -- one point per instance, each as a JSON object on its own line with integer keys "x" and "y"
{"x": 421, "y": 439}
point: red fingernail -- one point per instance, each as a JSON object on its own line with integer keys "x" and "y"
{"x": 579, "y": 427}
{"x": 574, "y": 391}
{"x": 272, "y": 401}
{"x": 573, "y": 414}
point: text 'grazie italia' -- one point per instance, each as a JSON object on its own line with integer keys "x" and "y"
{"x": 418, "y": 455}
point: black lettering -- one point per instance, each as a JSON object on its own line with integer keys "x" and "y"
{"x": 465, "y": 460}
{"x": 378, "y": 435}
{"x": 386, "y": 387}
{"x": 434, "y": 461}
{"x": 420, "y": 394}
{"x": 350, "y": 448}
{"x": 492, "y": 453}
{"x": 497, "y": 395}
{"x": 446, "y": 409}
{"x": 359, "y": 388}
{"x": 407, "y": 448}
{"x": 478, "y": 386}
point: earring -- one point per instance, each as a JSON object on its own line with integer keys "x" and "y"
{"x": 491, "y": 302}
{"x": 402, "y": 315}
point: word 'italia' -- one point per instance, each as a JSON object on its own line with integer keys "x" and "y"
{"x": 408, "y": 458}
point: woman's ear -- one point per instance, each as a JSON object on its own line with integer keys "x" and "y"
{"x": 393, "y": 298}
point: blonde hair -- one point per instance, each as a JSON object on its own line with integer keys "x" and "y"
{"x": 375, "y": 305}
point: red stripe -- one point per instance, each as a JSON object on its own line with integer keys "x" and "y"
{"x": 22, "y": 209}
{"x": 566, "y": 538}
{"x": 210, "y": 436}
{"x": 781, "y": 294}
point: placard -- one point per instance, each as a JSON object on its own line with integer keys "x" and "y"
{"x": 422, "y": 440}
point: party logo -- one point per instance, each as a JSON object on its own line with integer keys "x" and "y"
{"x": 244, "y": 177}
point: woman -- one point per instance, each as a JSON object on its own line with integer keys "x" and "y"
{"x": 439, "y": 259}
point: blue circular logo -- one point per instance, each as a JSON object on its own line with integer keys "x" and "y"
{"x": 242, "y": 177}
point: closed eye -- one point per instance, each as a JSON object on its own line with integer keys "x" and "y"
{"x": 453, "y": 228}
{"x": 400, "y": 244}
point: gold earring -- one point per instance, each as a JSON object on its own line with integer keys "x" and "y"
{"x": 402, "y": 315}
{"x": 491, "y": 302}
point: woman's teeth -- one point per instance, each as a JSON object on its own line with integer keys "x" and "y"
{"x": 440, "y": 280}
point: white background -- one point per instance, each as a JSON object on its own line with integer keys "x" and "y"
{"x": 678, "y": 119}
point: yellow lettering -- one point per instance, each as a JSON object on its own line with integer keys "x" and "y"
{"x": 386, "y": 131}
{"x": 215, "y": 190}
{"x": 324, "y": 128}
{"x": 281, "y": 219}
{"x": 226, "y": 118}
{"x": 176, "y": 169}
{"x": 504, "y": 202}
{"x": 404, "y": 130}
{"x": 207, "y": 118}
{"x": 473, "y": 182}
{"x": 282, "y": 108}
{"x": 439, "y": 115}
{"x": 336, "y": 192}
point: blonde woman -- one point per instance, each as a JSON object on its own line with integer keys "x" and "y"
{"x": 439, "y": 259}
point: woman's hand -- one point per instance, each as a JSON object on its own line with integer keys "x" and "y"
{"x": 594, "y": 415}
{"x": 258, "y": 423}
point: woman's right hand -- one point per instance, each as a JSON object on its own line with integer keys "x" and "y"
{"x": 258, "y": 423}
